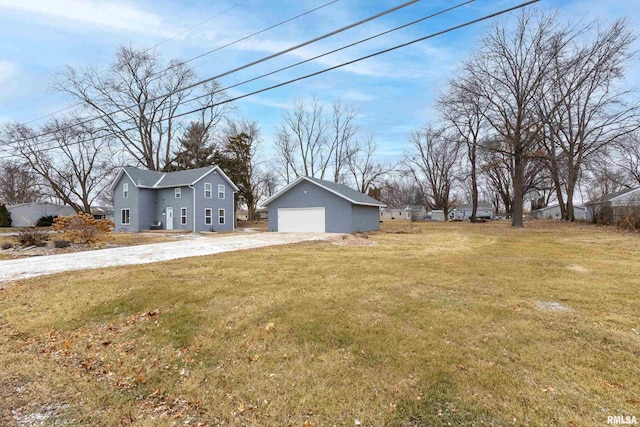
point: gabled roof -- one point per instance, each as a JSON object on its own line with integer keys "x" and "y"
{"x": 341, "y": 190}
{"x": 610, "y": 196}
{"x": 546, "y": 208}
{"x": 153, "y": 179}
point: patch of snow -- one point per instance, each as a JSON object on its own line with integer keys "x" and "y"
{"x": 551, "y": 306}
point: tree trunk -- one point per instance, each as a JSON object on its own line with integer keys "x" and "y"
{"x": 474, "y": 184}
{"x": 518, "y": 184}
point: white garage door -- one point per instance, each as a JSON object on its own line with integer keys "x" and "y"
{"x": 301, "y": 220}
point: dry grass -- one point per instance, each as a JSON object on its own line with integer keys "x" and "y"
{"x": 438, "y": 324}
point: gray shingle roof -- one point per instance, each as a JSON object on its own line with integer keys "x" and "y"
{"x": 341, "y": 190}
{"x": 347, "y": 192}
{"x": 166, "y": 179}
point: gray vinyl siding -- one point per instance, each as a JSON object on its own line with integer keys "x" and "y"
{"x": 148, "y": 205}
{"x": 28, "y": 214}
{"x": 338, "y": 211}
{"x": 365, "y": 218}
{"x": 214, "y": 203}
{"x": 130, "y": 203}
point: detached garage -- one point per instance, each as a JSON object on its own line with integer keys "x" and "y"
{"x": 313, "y": 205}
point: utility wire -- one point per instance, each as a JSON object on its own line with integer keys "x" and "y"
{"x": 179, "y": 63}
{"x": 439, "y": 33}
{"x": 235, "y": 70}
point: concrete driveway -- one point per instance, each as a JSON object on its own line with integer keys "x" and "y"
{"x": 193, "y": 245}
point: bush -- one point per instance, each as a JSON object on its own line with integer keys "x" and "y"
{"x": 83, "y": 228}
{"x": 5, "y": 216}
{"x": 630, "y": 219}
{"x": 32, "y": 237}
{"x": 61, "y": 243}
{"x": 6, "y": 245}
{"x": 46, "y": 221}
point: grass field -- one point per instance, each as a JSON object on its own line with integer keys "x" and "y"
{"x": 418, "y": 325}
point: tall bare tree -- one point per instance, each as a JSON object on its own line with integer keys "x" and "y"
{"x": 73, "y": 160}
{"x": 148, "y": 131}
{"x": 365, "y": 170}
{"x": 584, "y": 109}
{"x": 310, "y": 143}
{"x": 432, "y": 160}
{"x": 18, "y": 183}
{"x": 509, "y": 73}
{"x": 463, "y": 109}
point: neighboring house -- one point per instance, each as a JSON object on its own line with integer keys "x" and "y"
{"x": 28, "y": 214}
{"x": 242, "y": 215}
{"x": 197, "y": 200}
{"x": 612, "y": 207}
{"x": 102, "y": 212}
{"x": 416, "y": 213}
{"x": 553, "y": 212}
{"x": 484, "y": 211}
{"x": 435, "y": 215}
{"x": 313, "y": 205}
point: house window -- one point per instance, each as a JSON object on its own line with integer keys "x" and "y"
{"x": 183, "y": 216}
{"x": 125, "y": 217}
{"x": 125, "y": 191}
{"x": 207, "y": 190}
{"x": 208, "y": 216}
{"x": 221, "y": 191}
{"x": 221, "y": 216}
{"x": 178, "y": 193}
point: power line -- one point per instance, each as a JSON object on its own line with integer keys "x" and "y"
{"x": 179, "y": 63}
{"x": 381, "y": 52}
{"x": 235, "y": 70}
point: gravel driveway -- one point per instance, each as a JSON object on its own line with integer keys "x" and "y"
{"x": 193, "y": 245}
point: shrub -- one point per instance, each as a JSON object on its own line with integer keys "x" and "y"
{"x": 46, "y": 221}
{"x": 32, "y": 237}
{"x": 630, "y": 219}
{"x": 6, "y": 245}
{"x": 83, "y": 228}
{"x": 61, "y": 243}
{"x": 5, "y": 216}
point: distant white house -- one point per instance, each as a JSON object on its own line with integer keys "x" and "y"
{"x": 417, "y": 213}
{"x": 553, "y": 212}
{"x": 28, "y": 214}
{"x": 484, "y": 211}
{"x": 436, "y": 215}
{"x": 613, "y": 206}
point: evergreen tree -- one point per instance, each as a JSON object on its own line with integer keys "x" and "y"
{"x": 5, "y": 216}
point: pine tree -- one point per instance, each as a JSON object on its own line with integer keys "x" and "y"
{"x": 5, "y": 216}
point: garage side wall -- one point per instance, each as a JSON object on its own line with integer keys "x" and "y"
{"x": 308, "y": 195}
{"x": 365, "y": 218}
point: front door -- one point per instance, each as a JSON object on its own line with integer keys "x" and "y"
{"x": 169, "y": 212}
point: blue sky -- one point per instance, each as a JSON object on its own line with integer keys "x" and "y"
{"x": 393, "y": 93}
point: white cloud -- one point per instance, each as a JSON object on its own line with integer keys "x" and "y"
{"x": 106, "y": 14}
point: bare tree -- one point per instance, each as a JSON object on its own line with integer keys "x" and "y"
{"x": 432, "y": 161}
{"x": 400, "y": 189}
{"x": 512, "y": 67}
{"x": 149, "y": 130}
{"x": 364, "y": 169}
{"x": 627, "y": 149}
{"x": 584, "y": 110}
{"x": 18, "y": 183}
{"x": 310, "y": 143}
{"x": 73, "y": 161}
{"x": 464, "y": 110}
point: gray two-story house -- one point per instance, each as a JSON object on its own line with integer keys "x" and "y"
{"x": 196, "y": 200}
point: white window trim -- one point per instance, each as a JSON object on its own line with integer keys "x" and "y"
{"x": 125, "y": 190}
{"x": 221, "y": 218}
{"x": 208, "y": 217}
{"x": 183, "y": 216}
{"x": 208, "y": 184}
{"x": 223, "y": 192}
{"x": 178, "y": 192}
{"x": 122, "y": 211}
